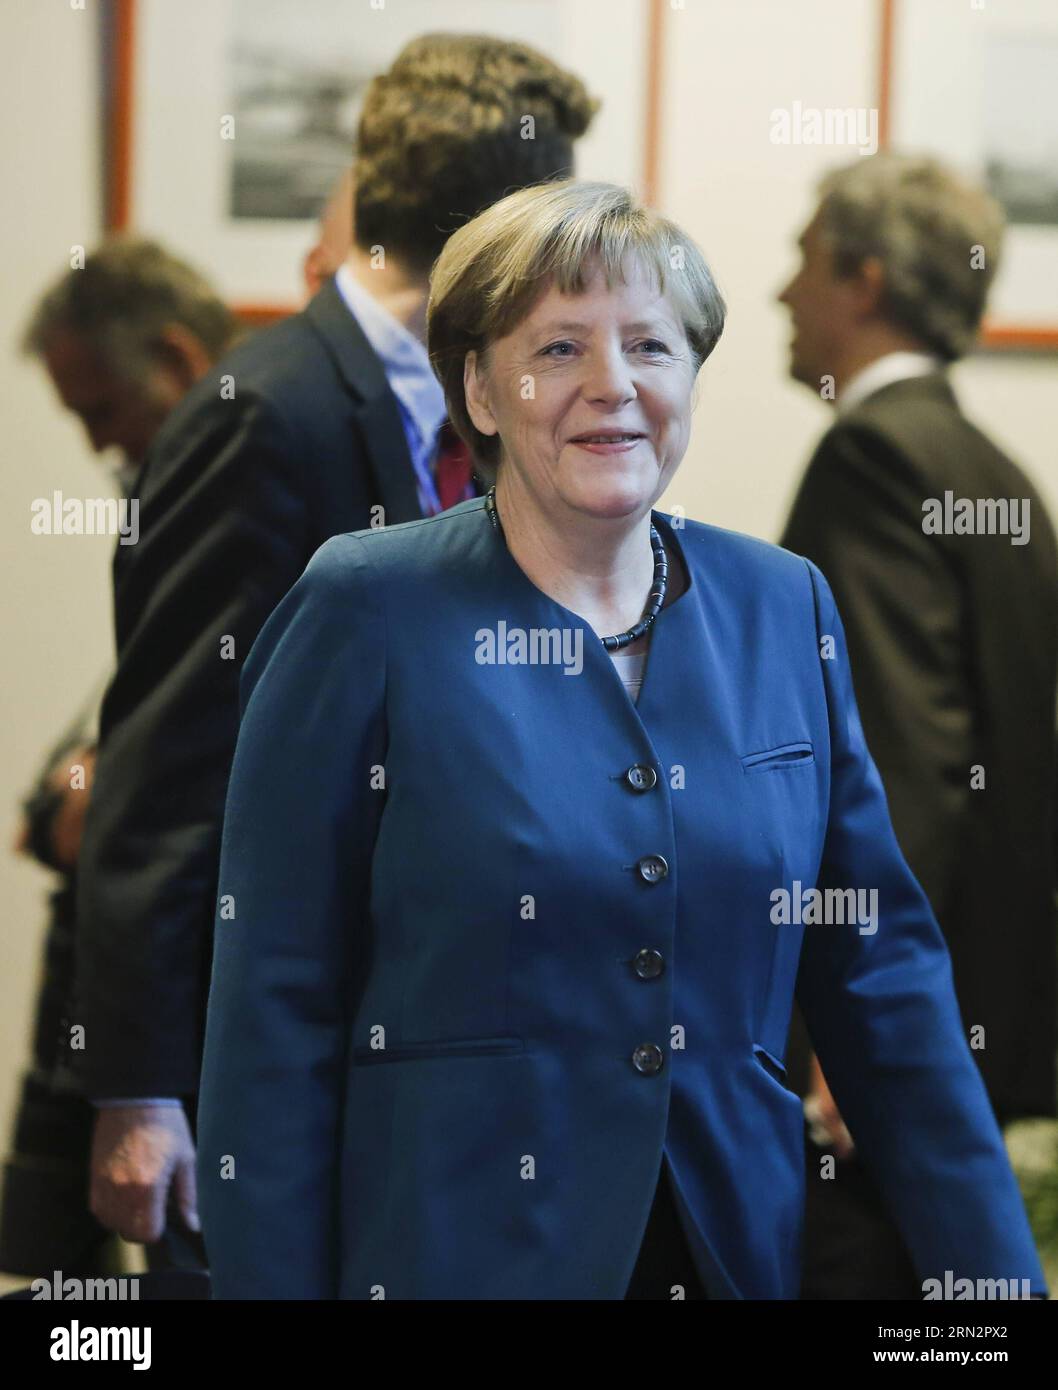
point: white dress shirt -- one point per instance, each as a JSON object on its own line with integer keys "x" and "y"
{"x": 883, "y": 371}
{"x": 406, "y": 364}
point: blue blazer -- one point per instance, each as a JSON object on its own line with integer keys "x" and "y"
{"x": 491, "y": 939}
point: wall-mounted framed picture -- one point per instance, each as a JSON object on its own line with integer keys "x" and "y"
{"x": 991, "y": 110}
{"x": 240, "y": 198}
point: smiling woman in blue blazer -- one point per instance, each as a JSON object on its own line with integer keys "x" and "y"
{"x": 509, "y": 931}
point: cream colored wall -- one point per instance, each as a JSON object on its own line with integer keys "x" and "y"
{"x": 55, "y": 634}
{"x": 727, "y": 66}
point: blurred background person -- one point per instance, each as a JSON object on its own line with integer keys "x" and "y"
{"x": 328, "y": 422}
{"x": 953, "y": 641}
{"x": 123, "y": 339}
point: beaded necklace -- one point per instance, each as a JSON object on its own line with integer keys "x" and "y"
{"x": 655, "y": 599}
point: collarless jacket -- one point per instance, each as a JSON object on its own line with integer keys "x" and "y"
{"x": 492, "y": 940}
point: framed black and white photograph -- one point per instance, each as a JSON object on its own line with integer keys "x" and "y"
{"x": 230, "y": 121}
{"x": 993, "y": 114}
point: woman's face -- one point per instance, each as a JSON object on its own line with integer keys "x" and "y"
{"x": 591, "y": 397}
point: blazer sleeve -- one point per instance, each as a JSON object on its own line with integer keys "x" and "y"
{"x": 299, "y": 830}
{"x": 859, "y": 518}
{"x": 883, "y": 1017}
{"x": 223, "y": 537}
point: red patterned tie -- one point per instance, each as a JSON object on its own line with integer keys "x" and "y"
{"x": 453, "y": 468}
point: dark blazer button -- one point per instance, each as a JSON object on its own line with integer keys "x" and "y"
{"x": 648, "y": 965}
{"x": 652, "y": 868}
{"x": 641, "y": 778}
{"x": 648, "y": 1059}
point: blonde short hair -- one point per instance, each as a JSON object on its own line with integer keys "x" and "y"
{"x": 496, "y": 267}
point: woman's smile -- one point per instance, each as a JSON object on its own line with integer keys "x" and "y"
{"x": 608, "y": 441}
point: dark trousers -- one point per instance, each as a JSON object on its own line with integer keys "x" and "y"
{"x": 178, "y": 1248}
{"x": 852, "y": 1247}
{"x": 664, "y": 1256}
{"x": 45, "y": 1223}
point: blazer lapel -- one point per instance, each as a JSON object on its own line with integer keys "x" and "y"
{"x": 377, "y": 412}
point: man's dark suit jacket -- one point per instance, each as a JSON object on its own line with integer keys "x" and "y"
{"x": 953, "y": 642}
{"x": 235, "y": 496}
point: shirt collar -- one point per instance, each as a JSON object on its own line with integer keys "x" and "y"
{"x": 404, "y": 359}
{"x": 883, "y": 371}
{"x": 125, "y": 474}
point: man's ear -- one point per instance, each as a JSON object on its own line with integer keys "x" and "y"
{"x": 314, "y": 270}
{"x": 870, "y": 286}
{"x": 182, "y": 354}
{"x": 475, "y": 389}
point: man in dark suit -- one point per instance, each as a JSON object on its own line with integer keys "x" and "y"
{"x": 942, "y": 559}
{"x": 328, "y": 422}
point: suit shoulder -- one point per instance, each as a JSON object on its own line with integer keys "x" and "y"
{"x": 275, "y": 361}
{"x": 900, "y": 451}
{"x": 274, "y": 375}
{"x": 922, "y": 428}
{"x": 341, "y": 563}
{"x": 426, "y": 541}
{"x": 759, "y": 586}
{"x": 750, "y": 557}
{"x": 402, "y": 550}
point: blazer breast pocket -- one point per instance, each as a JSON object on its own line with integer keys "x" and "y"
{"x": 771, "y": 1064}
{"x": 780, "y": 759}
{"x": 424, "y": 1051}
